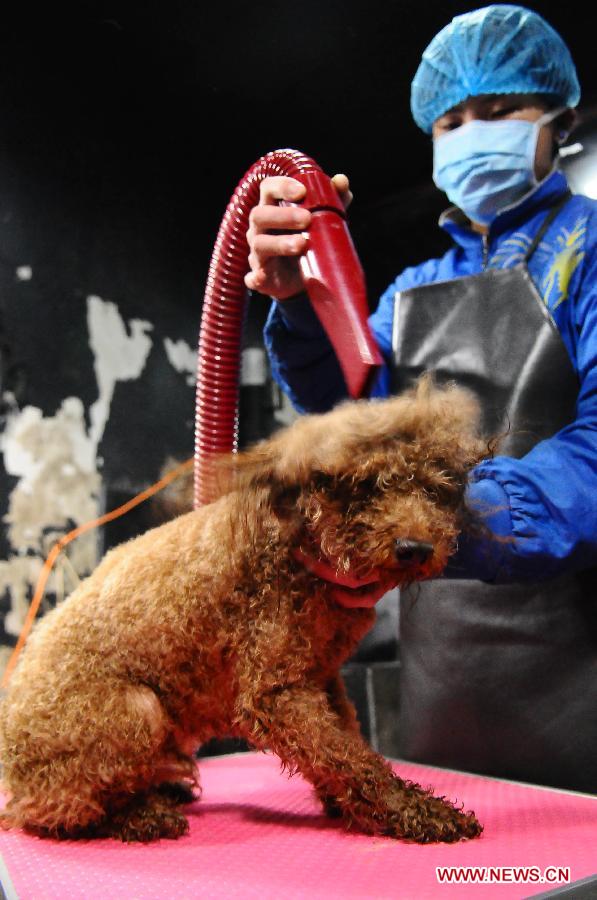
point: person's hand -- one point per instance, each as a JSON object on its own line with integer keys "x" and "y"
{"x": 277, "y": 235}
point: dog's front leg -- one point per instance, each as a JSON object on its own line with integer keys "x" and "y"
{"x": 342, "y": 705}
{"x": 347, "y": 714}
{"x": 299, "y": 724}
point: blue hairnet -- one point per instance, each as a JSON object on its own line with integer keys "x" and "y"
{"x": 500, "y": 49}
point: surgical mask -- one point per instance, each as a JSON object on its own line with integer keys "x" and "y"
{"x": 485, "y": 167}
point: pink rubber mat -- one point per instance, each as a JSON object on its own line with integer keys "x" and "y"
{"x": 258, "y": 834}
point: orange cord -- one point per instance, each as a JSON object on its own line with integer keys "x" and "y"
{"x": 66, "y": 539}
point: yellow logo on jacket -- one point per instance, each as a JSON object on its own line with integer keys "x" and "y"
{"x": 569, "y": 255}
{"x": 565, "y": 253}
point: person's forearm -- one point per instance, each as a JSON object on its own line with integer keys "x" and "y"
{"x": 484, "y": 550}
{"x": 302, "y": 360}
{"x": 538, "y": 515}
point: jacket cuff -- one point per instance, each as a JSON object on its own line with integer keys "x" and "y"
{"x": 299, "y": 317}
{"x": 484, "y": 556}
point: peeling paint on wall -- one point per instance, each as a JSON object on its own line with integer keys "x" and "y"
{"x": 182, "y": 357}
{"x": 55, "y": 460}
{"x": 118, "y": 356}
{"x": 58, "y": 487}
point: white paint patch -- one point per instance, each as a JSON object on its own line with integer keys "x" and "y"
{"x": 118, "y": 356}
{"x": 58, "y": 487}
{"x": 55, "y": 459}
{"x": 253, "y": 369}
{"x": 31, "y": 443}
{"x": 182, "y": 357}
{"x": 24, "y": 273}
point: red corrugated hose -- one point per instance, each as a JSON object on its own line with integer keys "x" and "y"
{"x": 333, "y": 279}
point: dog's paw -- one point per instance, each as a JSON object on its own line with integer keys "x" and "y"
{"x": 423, "y": 818}
{"x": 413, "y": 814}
{"x": 455, "y": 825}
{"x": 144, "y": 823}
{"x": 331, "y": 807}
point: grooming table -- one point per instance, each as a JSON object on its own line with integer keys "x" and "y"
{"x": 259, "y": 834}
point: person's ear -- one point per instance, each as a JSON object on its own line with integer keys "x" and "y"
{"x": 564, "y": 125}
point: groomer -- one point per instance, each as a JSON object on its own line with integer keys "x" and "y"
{"x": 500, "y": 656}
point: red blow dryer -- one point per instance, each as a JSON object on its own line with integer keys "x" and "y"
{"x": 333, "y": 279}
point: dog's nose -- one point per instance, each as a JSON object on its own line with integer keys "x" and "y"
{"x": 408, "y": 551}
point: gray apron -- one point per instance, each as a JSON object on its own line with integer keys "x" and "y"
{"x": 498, "y": 679}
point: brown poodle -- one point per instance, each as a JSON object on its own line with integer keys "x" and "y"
{"x": 234, "y": 620}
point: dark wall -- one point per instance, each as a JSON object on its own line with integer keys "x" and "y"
{"x": 149, "y": 113}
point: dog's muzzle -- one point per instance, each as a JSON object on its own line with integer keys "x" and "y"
{"x": 412, "y": 552}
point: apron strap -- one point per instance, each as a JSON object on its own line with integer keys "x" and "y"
{"x": 553, "y": 212}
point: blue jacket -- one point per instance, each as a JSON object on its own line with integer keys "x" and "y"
{"x": 547, "y": 499}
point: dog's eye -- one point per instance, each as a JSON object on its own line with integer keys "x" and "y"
{"x": 321, "y": 481}
{"x": 285, "y": 501}
{"x": 350, "y": 485}
{"x": 365, "y": 488}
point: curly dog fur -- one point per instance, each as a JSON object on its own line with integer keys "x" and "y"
{"x": 220, "y": 623}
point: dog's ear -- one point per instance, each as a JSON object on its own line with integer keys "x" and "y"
{"x": 283, "y": 462}
{"x": 255, "y": 475}
{"x": 245, "y": 469}
{"x": 262, "y": 467}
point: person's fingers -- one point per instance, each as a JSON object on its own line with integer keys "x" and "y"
{"x": 342, "y": 185}
{"x": 281, "y": 218}
{"x": 280, "y": 187}
{"x": 268, "y": 246}
{"x": 278, "y": 277}
{"x": 255, "y": 280}
{"x": 340, "y": 182}
{"x": 277, "y": 235}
